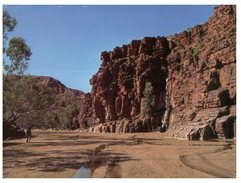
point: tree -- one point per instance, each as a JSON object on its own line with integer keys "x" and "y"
{"x": 62, "y": 116}
{"x": 148, "y": 100}
{"x": 26, "y": 101}
{"x": 17, "y": 100}
{"x": 17, "y": 53}
{"x": 24, "y": 96}
{"x": 69, "y": 108}
{"x": 9, "y": 24}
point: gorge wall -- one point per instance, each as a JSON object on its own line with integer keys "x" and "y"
{"x": 188, "y": 81}
{"x": 118, "y": 86}
{"x": 202, "y": 78}
{"x": 184, "y": 84}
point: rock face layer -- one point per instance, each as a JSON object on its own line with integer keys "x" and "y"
{"x": 118, "y": 86}
{"x": 202, "y": 78}
{"x": 188, "y": 82}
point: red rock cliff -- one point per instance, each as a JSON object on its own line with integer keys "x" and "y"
{"x": 202, "y": 78}
{"x": 193, "y": 80}
{"x": 119, "y": 84}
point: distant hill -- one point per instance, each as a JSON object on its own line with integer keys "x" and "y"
{"x": 63, "y": 98}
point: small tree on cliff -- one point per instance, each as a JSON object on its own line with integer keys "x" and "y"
{"x": 149, "y": 100}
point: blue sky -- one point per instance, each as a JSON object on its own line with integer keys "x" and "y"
{"x": 66, "y": 41}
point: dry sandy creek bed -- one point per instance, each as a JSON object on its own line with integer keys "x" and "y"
{"x": 148, "y": 155}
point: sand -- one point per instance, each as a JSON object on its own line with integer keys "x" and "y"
{"x": 137, "y": 155}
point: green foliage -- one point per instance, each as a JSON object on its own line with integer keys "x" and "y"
{"x": 128, "y": 62}
{"x": 179, "y": 45}
{"x": 170, "y": 37}
{"x": 18, "y": 99}
{"x": 62, "y": 116}
{"x": 30, "y": 103}
{"x": 25, "y": 100}
{"x": 21, "y": 98}
{"x": 16, "y": 52}
{"x": 19, "y": 54}
{"x": 149, "y": 100}
{"x": 9, "y": 24}
{"x": 196, "y": 50}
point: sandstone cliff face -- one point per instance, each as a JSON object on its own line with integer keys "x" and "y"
{"x": 202, "y": 78}
{"x": 193, "y": 75}
{"x": 119, "y": 84}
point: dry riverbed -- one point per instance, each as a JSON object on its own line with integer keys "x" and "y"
{"x": 149, "y": 155}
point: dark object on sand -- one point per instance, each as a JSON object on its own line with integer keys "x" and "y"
{"x": 29, "y": 135}
{"x": 12, "y": 131}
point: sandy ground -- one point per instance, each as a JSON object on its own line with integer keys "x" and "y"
{"x": 141, "y": 155}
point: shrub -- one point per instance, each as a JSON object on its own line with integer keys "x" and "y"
{"x": 149, "y": 100}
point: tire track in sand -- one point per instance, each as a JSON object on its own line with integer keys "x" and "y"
{"x": 203, "y": 164}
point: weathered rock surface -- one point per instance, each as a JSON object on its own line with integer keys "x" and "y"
{"x": 202, "y": 77}
{"x": 119, "y": 84}
{"x": 193, "y": 75}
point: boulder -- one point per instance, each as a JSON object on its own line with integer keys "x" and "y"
{"x": 225, "y": 126}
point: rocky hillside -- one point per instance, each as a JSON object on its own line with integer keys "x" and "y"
{"x": 80, "y": 118}
{"x": 191, "y": 78}
{"x": 83, "y": 117}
